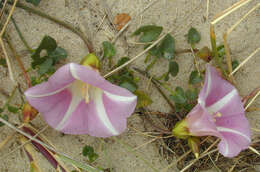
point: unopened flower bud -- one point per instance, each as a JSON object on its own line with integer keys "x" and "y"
{"x": 193, "y": 143}
{"x": 205, "y": 54}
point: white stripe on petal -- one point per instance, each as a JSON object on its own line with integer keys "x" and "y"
{"x": 209, "y": 83}
{"x": 214, "y": 108}
{"x": 229, "y": 130}
{"x": 226, "y": 148}
{"x": 101, "y": 112}
{"x": 119, "y": 98}
{"x": 73, "y": 71}
{"x": 47, "y": 94}
{"x": 75, "y": 89}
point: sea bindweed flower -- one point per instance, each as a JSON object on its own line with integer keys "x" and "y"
{"x": 219, "y": 113}
{"x": 76, "y": 99}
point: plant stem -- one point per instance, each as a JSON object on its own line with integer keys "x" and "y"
{"x": 155, "y": 83}
{"x": 60, "y": 22}
{"x": 151, "y": 64}
{"x": 21, "y": 36}
{"x": 215, "y": 50}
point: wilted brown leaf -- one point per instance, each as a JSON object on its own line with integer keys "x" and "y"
{"x": 120, "y": 20}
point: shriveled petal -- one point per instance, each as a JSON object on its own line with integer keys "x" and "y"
{"x": 215, "y": 88}
{"x": 201, "y": 123}
{"x": 103, "y": 116}
{"x": 235, "y": 133}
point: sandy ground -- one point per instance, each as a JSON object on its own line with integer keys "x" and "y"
{"x": 177, "y": 14}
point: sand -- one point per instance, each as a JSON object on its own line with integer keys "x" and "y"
{"x": 178, "y": 15}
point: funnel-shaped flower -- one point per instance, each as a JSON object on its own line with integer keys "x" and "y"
{"x": 77, "y": 100}
{"x": 220, "y": 113}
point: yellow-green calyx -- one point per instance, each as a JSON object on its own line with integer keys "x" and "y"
{"x": 181, "y": 130}
{"x": 90, "y": 60}
{"x": 193, "y": 143}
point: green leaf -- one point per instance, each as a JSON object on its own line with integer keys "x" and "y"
{"x": 58, "y": 54}
{"x": 221, "y": 51}
{"x": 195, "y": 77}
{"x": 193, "y": 36}
{"x": 178, "y": 96}
{"x": 93, "y": 157}
{"x": 1, "y": 110}
{"x": 131, "y": 86}
{"x": 34, "y": 2}
{"x": 5, "y": 117}
{"x": 48, "y": 44}
{"x": 122, "y": 61}
{"x": 89, "y": 152}
{"x": 143, "y": 99}
{"x": 188, "y": 107}
{"x": 167, "y": 47}
{"x": 178, "y": 106}
{"x": 154, "y": 51}
{"x": 12, "y": 109}
{"x": 109, "y": 49}
{"x": 80, "y": 165}
{"x": 150, "y": 33}
{"x": 173, "y": 68}
{"x": 166, "y": 78}
{"x": 45, "y": 66}
{"x": 191, "y": 94}
{"x": 235, "y": 64}
{"x": 3, "y": 62}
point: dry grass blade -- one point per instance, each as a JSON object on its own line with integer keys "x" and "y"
{"x": 253, "y": 99}
{"x": 229, "y": 10}
{"x": 32, "y": 138}
{"x": 31, "y": 154}
{"x": 6, "y": 140}
{"x": 203, "y": 155}
{"x": 144, "y": 144}
{"x": 3, "y": 9}
{"x": 254, "y": 150}
{"x": 2, "y": 43}
{"x": 23, "y": 144}
{"x": 246, "y": 60}
{"x": 8, "y": 19}
{"x": 147, "y": 49}
{"x": 228, "y": 56}
{"x": 10, "y": 68}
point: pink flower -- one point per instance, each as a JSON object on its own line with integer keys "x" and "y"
{"x": 77, "y": 100}
{"x": 220, "y": 113}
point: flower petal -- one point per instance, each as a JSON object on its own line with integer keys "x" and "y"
{"x": 52, "y": 107}
{"x": 101, "y": 117}
{"x": 215, "y": 87}
{"x": 62, "y": 104}
{"x": 236, "y": 136}
{"x": 201, "y": 123}
{"x": 55, "y": 84}
{"x": 93, "y": 78}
